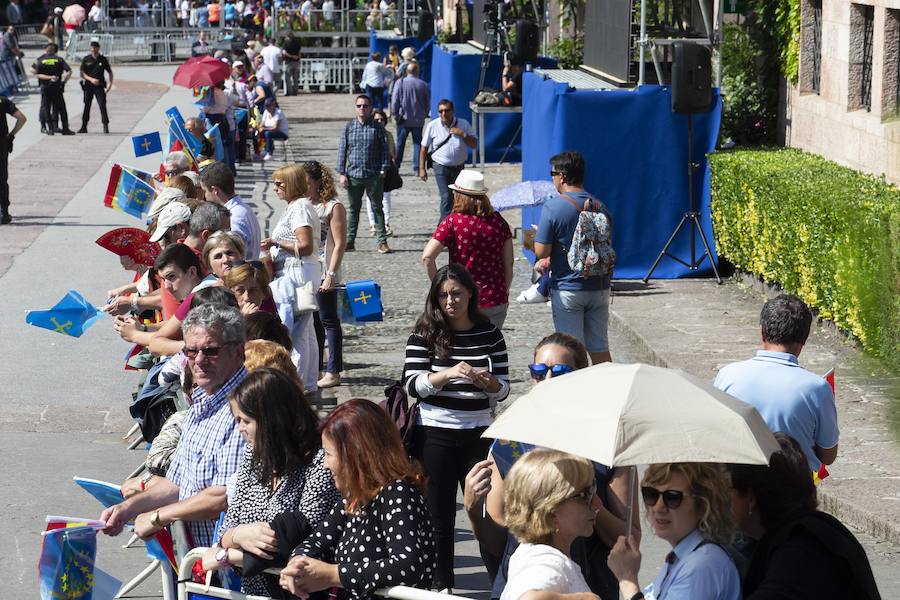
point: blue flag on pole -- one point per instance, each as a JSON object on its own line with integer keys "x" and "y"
{"x": 67, "y": 569}
{"x": 134, "y": 195}
{"x": 215, "y": 138}
{"x": 149, "y": 143}
{"x": 177, "y": 131}
{"x": 71, "y": 316}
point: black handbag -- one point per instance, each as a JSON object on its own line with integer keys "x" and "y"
{"x": 392, "y": 179}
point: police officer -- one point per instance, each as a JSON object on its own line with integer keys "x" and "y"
{"x": 93, "y": 67}
{"x": 6, "y": 141}
{"x": 52, "y": 73}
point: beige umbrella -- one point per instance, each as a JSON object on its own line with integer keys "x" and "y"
{"x": 618, "y": 415}
{"x": 623, "y": 415}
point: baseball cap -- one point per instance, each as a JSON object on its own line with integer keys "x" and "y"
{"x": 57, "y": 10}
{"x": 173, "y": 214}
{"x": 95, "y": 42}
{"x": 237, "y": 63}
{"x": 165, "y": 197}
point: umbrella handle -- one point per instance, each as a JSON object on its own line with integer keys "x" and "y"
{"x": 629, "y": 509}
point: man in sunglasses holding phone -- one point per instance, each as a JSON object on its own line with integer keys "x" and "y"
{"x": 210, "y": 448}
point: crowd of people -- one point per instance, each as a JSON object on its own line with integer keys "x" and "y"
{"x": 243, "y": 327}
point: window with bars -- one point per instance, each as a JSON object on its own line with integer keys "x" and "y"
{"x": 862, "y": 32}
{"x": 811, "y": 46}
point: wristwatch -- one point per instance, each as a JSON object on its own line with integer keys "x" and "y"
{"x": 154, "y": 520}
{"x": 222, "y": 557}
{"x": 330, "y": 273}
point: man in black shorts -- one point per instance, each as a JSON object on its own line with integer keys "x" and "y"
{"x": 6, "y": 144}
{"x": 93, "y": 68}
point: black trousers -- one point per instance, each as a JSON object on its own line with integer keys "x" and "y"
{"x": 4, "y": 178}
{"x": 91, "y": 92}
{"x": 446, "y": 456}
{"x": 53, "y": 107}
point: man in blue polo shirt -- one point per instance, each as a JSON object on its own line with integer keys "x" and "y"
{"x": 789, "y": 398}
{"x": 580, "y": 304}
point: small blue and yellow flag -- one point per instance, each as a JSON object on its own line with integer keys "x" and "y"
{"x": 178, "y": 132}
{"x": 71, "y": 316}
{"x": 66, "y": 565}
{"x": 215, "y": 138}
{"x": 149, "y": 143}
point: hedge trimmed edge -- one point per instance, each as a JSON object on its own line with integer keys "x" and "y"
{"x": 825, "y": 232}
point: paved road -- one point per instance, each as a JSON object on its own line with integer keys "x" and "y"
{"x": 63, "y": 401}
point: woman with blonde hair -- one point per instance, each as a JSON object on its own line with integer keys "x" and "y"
{"x": 263, "y": 354}
{"x": 688, "y": 506}
{"x": 550, "y": 501}
{"x": 293, "y": 248}
{"x": 480, "y": 240}
{"x": 249, "y": 281}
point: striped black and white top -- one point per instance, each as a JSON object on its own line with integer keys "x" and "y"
{"x": 459, "y": 404}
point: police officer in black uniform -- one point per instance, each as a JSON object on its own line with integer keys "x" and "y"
{"x": 93, "y": 68}
{"x": 6, "y": 142}
{"x": 52, "y": 73}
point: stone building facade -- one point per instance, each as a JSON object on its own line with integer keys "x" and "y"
{"x": 846, "y": 105}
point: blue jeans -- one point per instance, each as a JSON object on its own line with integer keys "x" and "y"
{"x": 584, "y": 315}
{"x": 444, "y": 176}
{"x": 328, "y": 327}
{"x": 402, "y": 134}
{"x": 271, "y": 136}
{"x": 377, "y": 96}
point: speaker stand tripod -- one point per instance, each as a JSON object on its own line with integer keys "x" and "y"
{"x": 691, "y": 219}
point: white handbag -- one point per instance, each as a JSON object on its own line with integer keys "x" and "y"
{"x": 305, "y": 301}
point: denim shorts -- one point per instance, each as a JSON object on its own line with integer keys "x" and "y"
{"x": 583, "y": 314}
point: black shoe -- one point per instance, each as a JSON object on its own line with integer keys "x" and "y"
{"x": 105, "y": 128}
{"x": 83, "y": 129}
{"x": 68, "y": 132}
{"x": 5, "y": 219}
{"x": 351, "y": 247}
{"x": 50, "y": 131}
{"x": 44, "y": 128}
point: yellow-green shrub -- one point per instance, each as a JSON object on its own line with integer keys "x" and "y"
{"x": 825, "y": 232}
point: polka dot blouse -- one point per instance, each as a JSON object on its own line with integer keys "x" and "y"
{"x": 308, "y": 489}
{"x": 388, "y": 543}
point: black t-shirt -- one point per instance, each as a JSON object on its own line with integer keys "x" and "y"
{"x": 6, "y": 108}
{"x": 95, "y": 67}
{"x": 50, "y": 64}
{"x": 293, "y": 47}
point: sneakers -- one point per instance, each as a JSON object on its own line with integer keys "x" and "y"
{"x": 68, "y": 132}
{"x": 83, "y": 129}
{"x": 383, "y": 248}
{"x": 388, "y": 231}
{"x": 329, "y": 380}
{"x": 532, "y": 296}
{"x": 267, "y": 156}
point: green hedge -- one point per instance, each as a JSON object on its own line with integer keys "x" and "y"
{"x": 825, "y": 232}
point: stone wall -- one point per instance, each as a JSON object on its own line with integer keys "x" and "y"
{"x": 834, "y": 121}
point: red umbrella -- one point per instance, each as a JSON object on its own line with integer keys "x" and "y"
{"x": 202, "y": 72}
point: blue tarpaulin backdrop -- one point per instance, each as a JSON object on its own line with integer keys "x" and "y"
{"x": 635, "y": 148}
{"x": 455, "y": 76}
{"x": 423, "y": 50}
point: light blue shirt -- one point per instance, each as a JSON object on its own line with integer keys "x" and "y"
{"x": 246, "y": 225}
{"x": 700, "y": 572}
{"x": 789, "y": 398}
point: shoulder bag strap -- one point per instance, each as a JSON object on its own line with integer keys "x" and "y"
{"x": 447, "y": 139}
{"x": 572, "y": 200}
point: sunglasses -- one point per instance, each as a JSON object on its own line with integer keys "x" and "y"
{"x": 555, "y": 173}
{"x": 363, "y": 106}
{"x": 445, "y": 110}
{"x": 540, "y": 371}
{"x": 208, "y": 352}
{"x": 671, "y": 498}
{"x": 278, "y": 184}
{"x": 253, "y": 263}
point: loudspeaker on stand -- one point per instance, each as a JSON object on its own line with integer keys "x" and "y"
{"x": 691, "y": 78}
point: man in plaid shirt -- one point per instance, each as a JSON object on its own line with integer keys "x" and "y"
{"x": 211, "y": 447}
{"x": 363, "y": 157}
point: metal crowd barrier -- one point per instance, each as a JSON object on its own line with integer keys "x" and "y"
{"x": 138, "y": 45}
{"x": 321, "y": 74}
{"x": 187, "y": 590}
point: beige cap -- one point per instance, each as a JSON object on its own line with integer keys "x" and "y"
{"x": 173, "y": 214}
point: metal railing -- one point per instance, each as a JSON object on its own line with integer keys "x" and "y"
{"x": 186, "y": 587}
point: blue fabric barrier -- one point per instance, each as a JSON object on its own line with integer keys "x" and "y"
{"x": 423, "y": 50}
{"x": 455, "y": 77}
{"x": 635, "y": 150}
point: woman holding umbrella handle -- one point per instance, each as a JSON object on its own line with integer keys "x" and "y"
{"x": 688, "y": 505}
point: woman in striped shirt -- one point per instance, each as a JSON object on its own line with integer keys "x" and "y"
{"x": 456, "y": 364}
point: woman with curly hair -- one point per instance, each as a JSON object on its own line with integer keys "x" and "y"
{"x": 380, "y": 534}
{"x": 457, "y": 366}
{"x": 550, "y": 500}
{"x": 333, "y": 221}
{"x": 688, "y": 506}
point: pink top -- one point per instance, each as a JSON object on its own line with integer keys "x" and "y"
{"x": 477, "y": 244}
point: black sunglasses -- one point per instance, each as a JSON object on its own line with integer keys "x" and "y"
{"x": 671, "y": 498}
{"x": 209, "y": 351}
{"x": 253, "y": 263}
{"x": 556, "y": 173}
{"x": 587, "y": 494}
{"x": 363, "y": 105}
{"x": 540, "y": 371}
